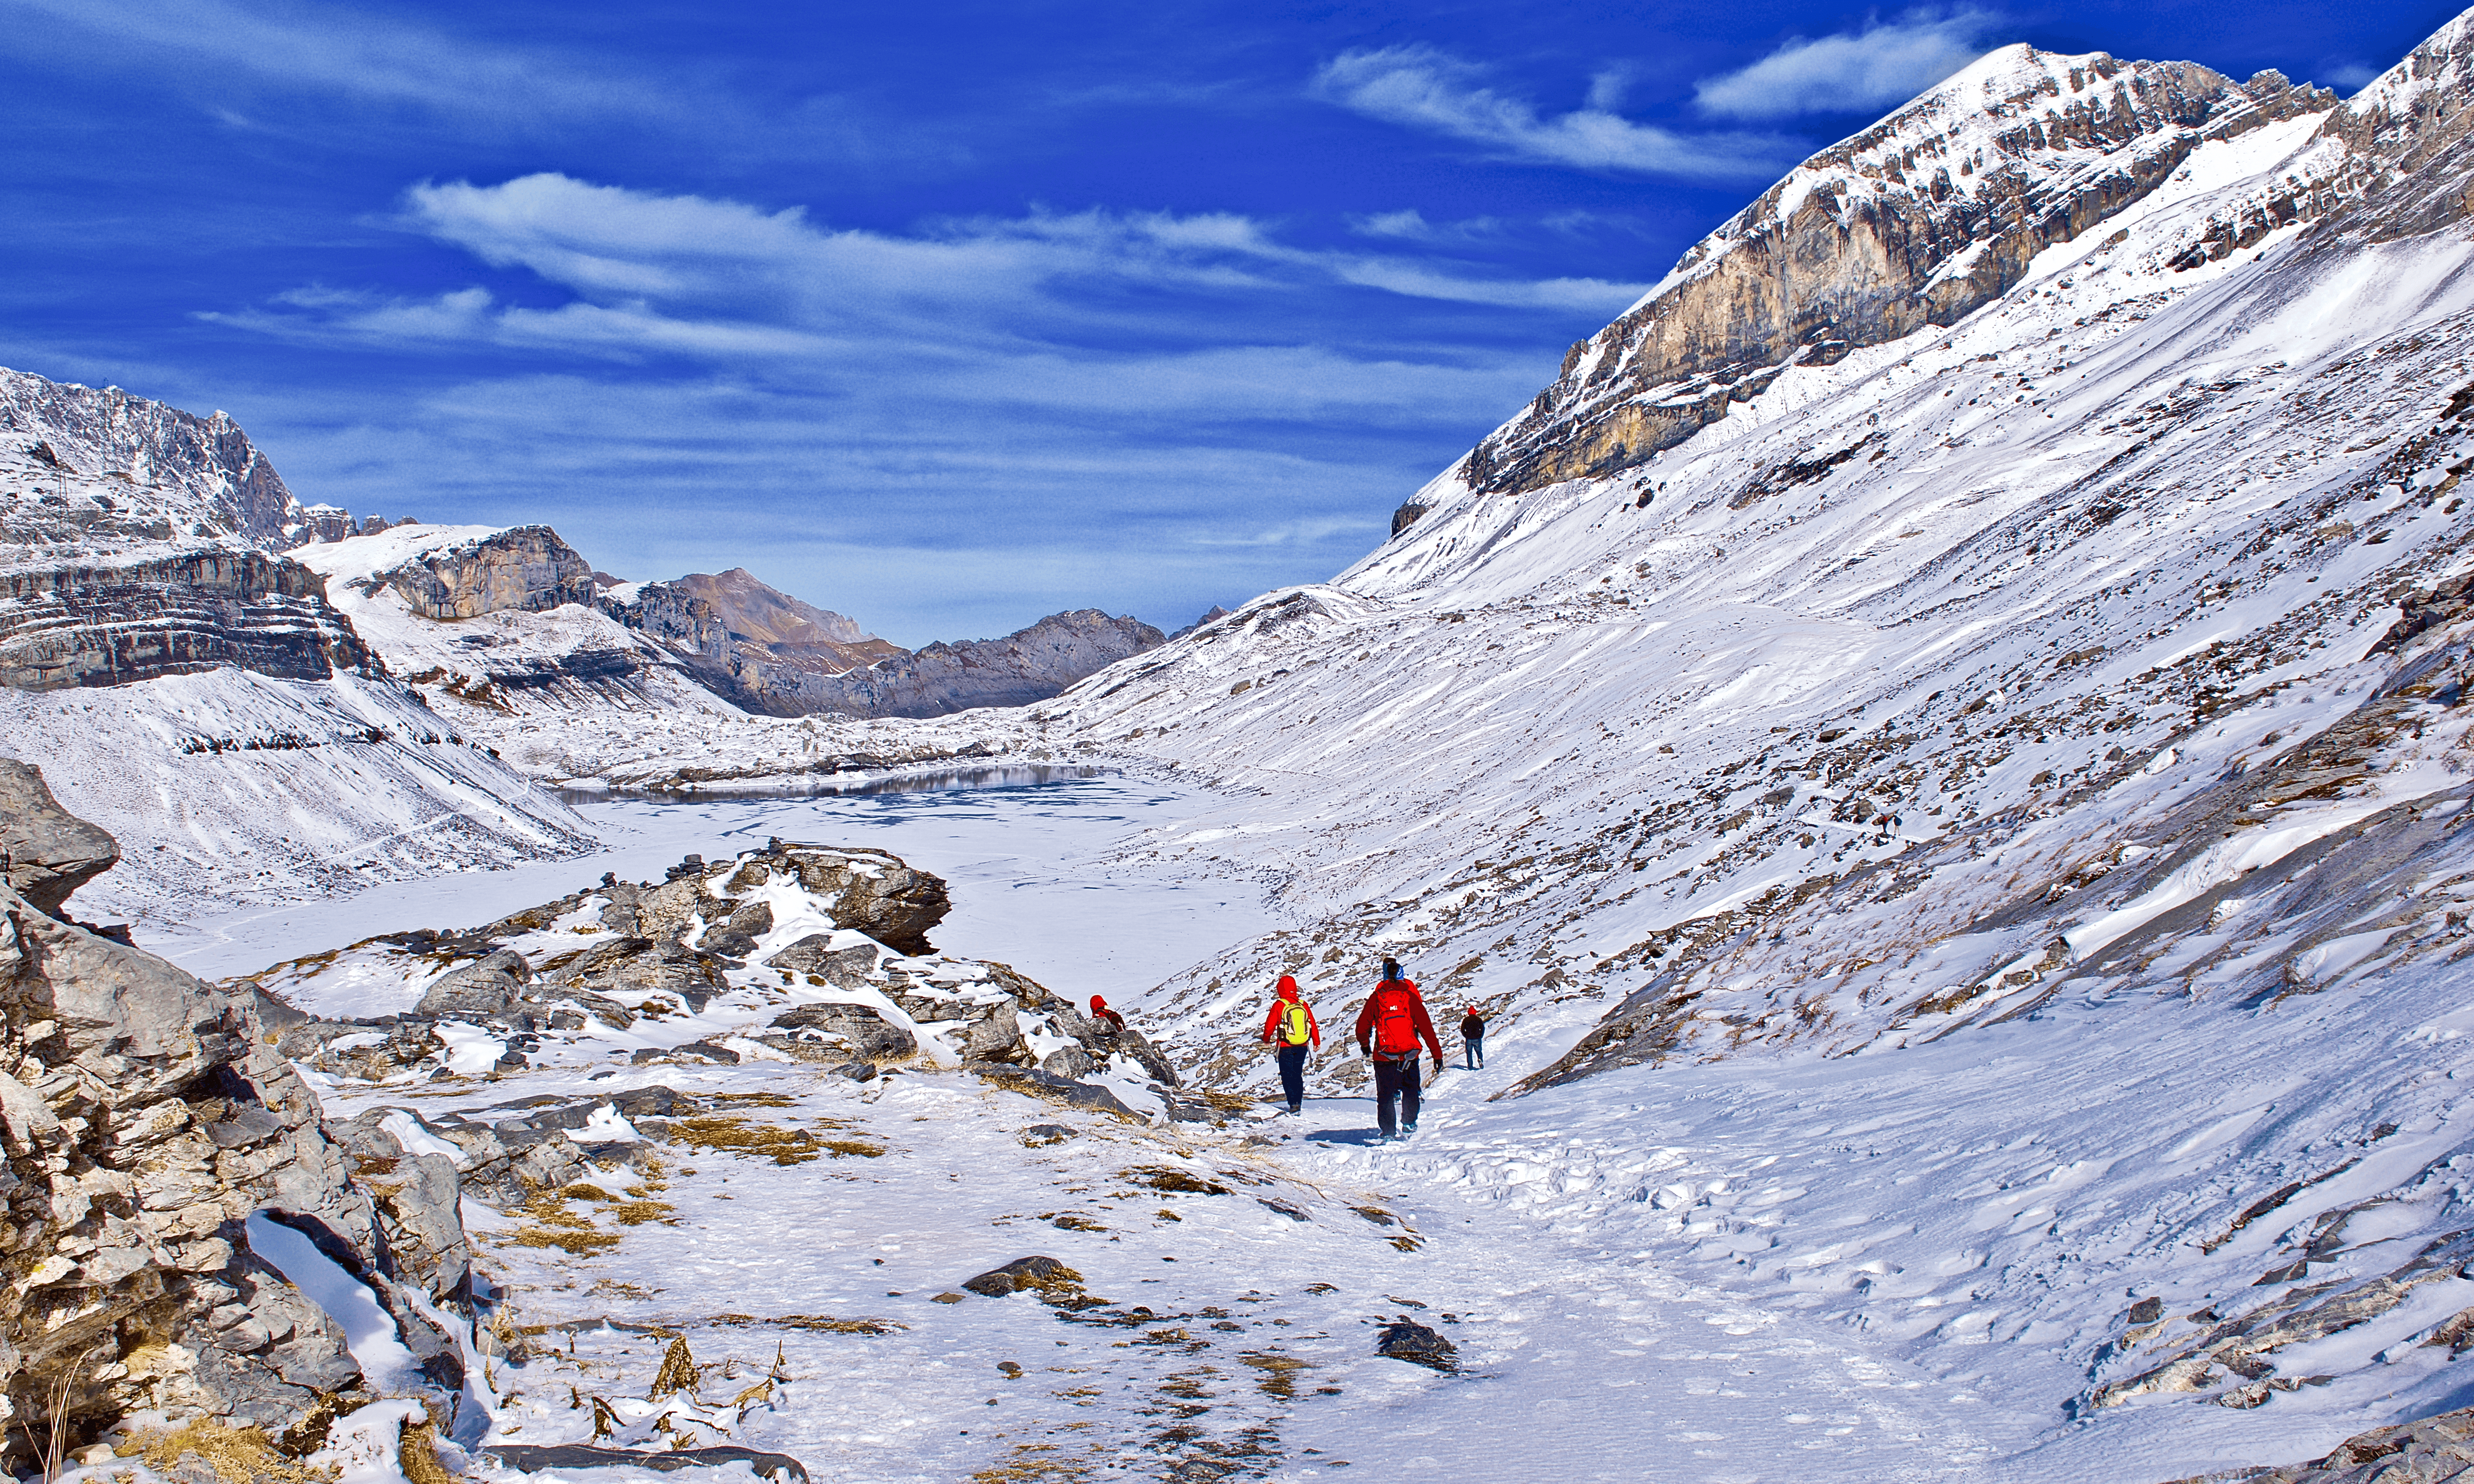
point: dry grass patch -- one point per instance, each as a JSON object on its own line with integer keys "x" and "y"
{"x": 1174, "y": 1181}
{"x": 560, "y": 1227}
{"x": 237, "y": 1455}
{"x": 733, "y": 1134}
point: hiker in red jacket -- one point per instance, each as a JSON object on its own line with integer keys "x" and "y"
{"x": 1292, "y": 1027}
{"x": 1110, "y": 1022}
{"x": 1389, "y": 1029}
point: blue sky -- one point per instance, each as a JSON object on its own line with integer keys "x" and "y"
{"x": 943, "y": 316}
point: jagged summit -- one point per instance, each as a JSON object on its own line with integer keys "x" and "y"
{"x": 79, "y": 464}
{"x": 1921, "y": 219}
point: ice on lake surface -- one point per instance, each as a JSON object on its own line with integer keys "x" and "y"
{"x": 1024, "y": 850}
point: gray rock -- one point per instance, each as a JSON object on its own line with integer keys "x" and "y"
{"x": 178, "y": 613}
{"x": 1402, "y": 1340}
{"x": 1069, "y": 1062}
{"x": 1024, "y": 1273}
{"x": 489, "y": 988}
{"x": 848, "y": 968}
{"x": 848, "y": 1029}
{"x": 45, "y": 851}
{"x": 147, "y": 1117}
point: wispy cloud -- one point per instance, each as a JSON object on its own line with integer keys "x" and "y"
{"x": 1411, "y": 226}
{"x": 367, "y": 54}
{"x": 1877, "y": 68}
{"x": 1421, "y": 87}
{"x": 685, "y": 274}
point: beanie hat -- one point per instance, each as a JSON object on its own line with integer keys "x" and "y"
{"x": 1390, "y": 968}
{"x": 1098, "y": 1004}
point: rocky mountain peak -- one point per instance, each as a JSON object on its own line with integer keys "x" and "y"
{"x": 160, "y": 471}
{"x": 1921, "y": 219}
{"x": 2406, "y": 130}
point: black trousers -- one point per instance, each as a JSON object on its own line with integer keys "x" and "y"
{"x": 1293, "y": 1075}
{"x": 1395, "y": 1080}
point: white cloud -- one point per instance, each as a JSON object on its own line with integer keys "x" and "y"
{"x": 365, "y": 53}
{"x": 1878, "y": 67}
{"x": 701, "y": 277}
{"x": 1424, "y": 88}
{"x": 1411, "y": 226}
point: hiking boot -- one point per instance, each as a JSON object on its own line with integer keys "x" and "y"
{"x": 1406, "y": 1131}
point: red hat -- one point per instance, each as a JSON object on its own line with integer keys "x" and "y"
{"x": 1286, "y": 987}
{"x": 1097, "y": 1003}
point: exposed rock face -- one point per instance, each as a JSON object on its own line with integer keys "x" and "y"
{"x": 780, "y": 630}
{"x": 526, "y": 569}
{"x": 146, "y": 1117}
{"x": 750, "y": 643}
{"x": 1921, "y": 219}
{"x": 45, "y": 852}
{"x": 2428, "y": 1451}
{"x": 2409, "y": 168}
{"x": 1029, "y": 666}
{"x": 77, "y": 463}
{"x": 174, "y": 615}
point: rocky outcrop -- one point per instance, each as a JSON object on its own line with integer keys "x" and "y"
{"x": 2408, "y": 165}
{"x": 45, "y": 852}
{"x": 2428, "y": 1451}
{"x": 146, "y": 1118}
{"x": 1029, "y": 666}
{"x": 173, "y": 615}
{"x": 1930, "y": 215}
{"x": 524, "y": 568}
{"x": 868, "y": 993}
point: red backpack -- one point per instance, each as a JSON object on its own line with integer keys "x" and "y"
{"x": 1395, "y": 1020}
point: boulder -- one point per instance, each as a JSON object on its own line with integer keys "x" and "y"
{"x": 46, "y": 852}
{"x": 486, "y": 988}
{"x": 1041, "y": 1272}
{"x": 1402, "y": 1340}
{"x": 844, "y": 1030}
{"x": 847, "y": 968}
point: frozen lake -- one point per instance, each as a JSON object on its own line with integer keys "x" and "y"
{"x": 1025, "y": 853}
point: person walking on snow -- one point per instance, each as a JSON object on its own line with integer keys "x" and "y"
{"x": 1291, "y": 1025}
{"x": 1473, "y": 1037}
{"x": 1389, "y": 1029}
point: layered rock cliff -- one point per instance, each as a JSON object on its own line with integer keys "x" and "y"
{"x": 147, "y": 1117}
{"x": 1924, "y": 217}
{"x": 172, "y": 615}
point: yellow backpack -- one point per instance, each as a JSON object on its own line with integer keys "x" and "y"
{"x": 1293, "y": 1025}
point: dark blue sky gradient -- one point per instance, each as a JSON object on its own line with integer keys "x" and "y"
{"x": 1107, "y": 305}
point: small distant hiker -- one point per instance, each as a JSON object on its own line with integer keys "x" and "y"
{"x": 1389, "y": 1029}
{"x": 1473, "y": 1037}
{"x": 1110, "y": 1022}
{"x": 1292, "y": 1027}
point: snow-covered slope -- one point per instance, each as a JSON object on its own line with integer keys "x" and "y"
{"x": 2041, "y": 670}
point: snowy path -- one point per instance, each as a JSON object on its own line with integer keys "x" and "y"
{"x": 1585, "y": 1362}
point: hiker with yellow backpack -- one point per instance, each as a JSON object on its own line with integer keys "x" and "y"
{"x": 1292, "y": 1027}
